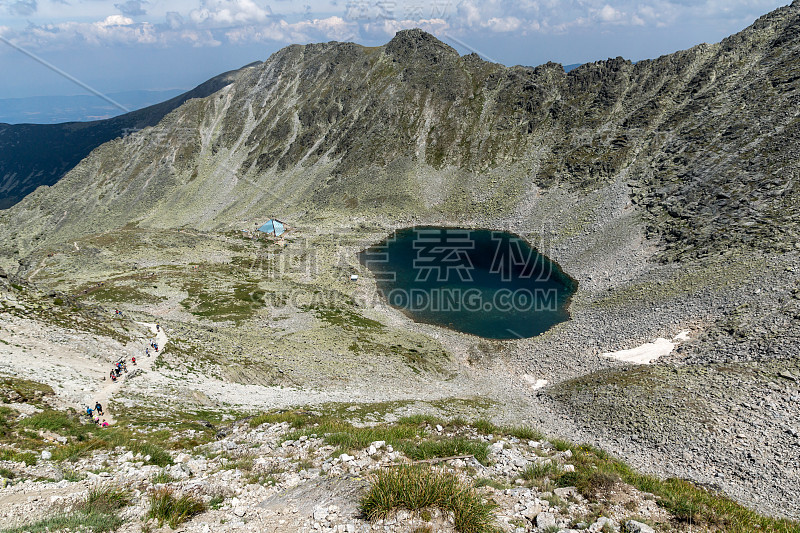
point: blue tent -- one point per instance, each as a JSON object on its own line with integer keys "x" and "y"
{"x": 274, "y": 226}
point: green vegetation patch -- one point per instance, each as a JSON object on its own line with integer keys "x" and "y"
{"x": 84, "y": 437}
{"x": 182, "y": 428}
{"x": 345, "y": 318}
{"x": 541, "y": 470}
{"x": 448, "y": 447}
{"x": 36, "y": 305}
{"x": 7, "y": 418}
{"x": 155, "y": 454}
{"x": 97, "y": 512}
{"x": 407, "y": 435}
{"x": 56, "y": 421}
{"x": 162, "y": 477}
{"x": 96, "y": 522}
{"x": 237, "y": 303}
{"x": 596, "y": 472}
{"x": 715, "y": 275}
{"x": 17, "y": 390}
{"x": 113, "y": 293}
{"x": 8, "y": 454}
{"x": 106, "y": 499}
{"x": 420, "y": 488}
{"x": 166, "y": 506}
{"x": 486, "y": 427}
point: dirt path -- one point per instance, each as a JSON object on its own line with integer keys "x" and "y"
{"x": 40, "y": 267}
{"x": 144, "y": 363}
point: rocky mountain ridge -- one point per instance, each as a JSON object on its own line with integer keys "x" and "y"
{"x": 704, "y": 138}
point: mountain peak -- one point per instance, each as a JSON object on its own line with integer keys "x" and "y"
{"x": 418, "y": 43}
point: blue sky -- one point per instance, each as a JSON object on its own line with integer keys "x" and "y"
{"x": 118, "y": 45}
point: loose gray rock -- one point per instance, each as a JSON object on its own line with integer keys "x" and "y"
{"x": 545, "y": 520}
{"x": 632, "y": 526}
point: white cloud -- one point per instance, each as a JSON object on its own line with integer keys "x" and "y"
{"x": 174, "y": 20}
{"x": 114, "y": 20}
{"x": 610, "y": 14}
{"x": 504, "y": 24}
{"x": 197, "y": 38}
{"x": 330, "y": 28}
{"x": 468, "y": 14}
{"x": 229, "y": 12}
{"x": 214, "y": 22}
{"x": 114, "y": 29}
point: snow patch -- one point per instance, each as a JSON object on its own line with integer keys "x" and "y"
{"x": 535, "y": 384}
{"x": 650, "y": 351}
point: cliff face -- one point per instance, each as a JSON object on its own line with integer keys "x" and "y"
{"x": 705, "y": 139}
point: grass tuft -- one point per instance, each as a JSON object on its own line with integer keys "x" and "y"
{"x": 523, "y": 433}
{"x": 488, "y": 482}
{"x": 75, "y": 450}
{"x": 418, "y": 488}
{"x": 486, "y": 427}
{"x": 346, "y": 436}
{"x": 560, "y": 444}
{"x": 162, "y": 477}
{"x": 430, "y": 449}
{"x": 105, "y": 499}
{"x": 541, "y": 470}
{"x": 96, "y": 522}
{"x": 419, "y": 419}
{"x": 158, "y": 455}
{"x": 294, "y": 418}
{"x": 7, "y": 454}
{"x": 97, "y": 512}
{"x": 167, "y": 507}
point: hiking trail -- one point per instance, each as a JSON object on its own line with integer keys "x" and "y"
{"x": 143, "y": 363}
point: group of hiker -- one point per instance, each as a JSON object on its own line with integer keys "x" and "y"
{"x": 95, "y": 414}
{"x": 153, "y": 343}
{"x": 119, "y": 367}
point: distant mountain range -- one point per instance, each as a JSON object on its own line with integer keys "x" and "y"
{"x": 77, "y": 108}
{"x": 40, "y": 154}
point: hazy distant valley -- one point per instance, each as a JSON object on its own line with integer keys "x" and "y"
{"x": 77, "y": 108}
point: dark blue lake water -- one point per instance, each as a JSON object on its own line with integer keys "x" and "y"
{"x": 492, "y": 284}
